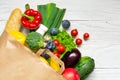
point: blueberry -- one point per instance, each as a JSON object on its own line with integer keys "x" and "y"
{"x": 53, "y": 31}
{"x": 65, "y": 24}
{"x": 50, "y": 45}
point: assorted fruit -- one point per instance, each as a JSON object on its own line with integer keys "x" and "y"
{"x": 42, "y": 31}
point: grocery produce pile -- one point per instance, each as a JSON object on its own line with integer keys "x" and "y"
{"x": 40, "y": 29}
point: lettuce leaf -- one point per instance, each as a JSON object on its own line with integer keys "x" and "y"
{"x": 66, "y": 40}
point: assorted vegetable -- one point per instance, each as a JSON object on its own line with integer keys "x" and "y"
{"x": 66, "y": 40}
{"x": 41, "y": 28}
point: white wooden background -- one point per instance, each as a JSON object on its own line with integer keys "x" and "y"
{"x": 101, "y": 18}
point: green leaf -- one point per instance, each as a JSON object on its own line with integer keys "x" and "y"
{"x": 42, "y": 10}
{"x": 66, "y": 40}
{"x": 52, "y": 17}
{"x": 51, "y": 12}
{"x": 58, "y": 18}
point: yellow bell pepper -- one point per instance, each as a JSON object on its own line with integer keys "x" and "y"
{"x": 44, "y": 60}
{"x": 20, "y": 37}
{"x": 55, "y": 65}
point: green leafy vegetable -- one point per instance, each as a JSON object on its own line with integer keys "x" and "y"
{"x": 42, "y": 10}
{"x": 66, "y": 40}
{"x": 51, "y": 15}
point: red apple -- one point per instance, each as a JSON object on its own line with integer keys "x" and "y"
{"x": 71, "y": 74}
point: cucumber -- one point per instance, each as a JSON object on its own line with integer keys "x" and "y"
{"x": 85, "y": 66}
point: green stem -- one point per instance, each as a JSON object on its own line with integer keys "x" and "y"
{"x": 31, "y": 18}
{"x": 27, "y": 6}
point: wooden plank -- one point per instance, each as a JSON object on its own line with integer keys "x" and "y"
{"x": 2, "y": 26}
{"x": 104, "y": 74}
{"x": 103, "y": 44}
{"x": 76, "y": 10}
{"x": 98, "y": 17}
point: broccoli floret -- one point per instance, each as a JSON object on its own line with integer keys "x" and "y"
{"x": 34, "y": 41}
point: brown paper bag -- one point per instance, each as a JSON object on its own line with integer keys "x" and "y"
{"x": 40, "y": 51}
{"x": 19, "y": 63}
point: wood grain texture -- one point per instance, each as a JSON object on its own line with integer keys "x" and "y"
{"x": 101, "y": 18}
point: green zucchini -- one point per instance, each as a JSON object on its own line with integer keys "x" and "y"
{"x": 85, "y": 66}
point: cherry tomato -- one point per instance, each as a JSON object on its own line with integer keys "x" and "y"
{"x": 78, "y": 41}
{"x": 56, "y": 54}
{"x": 61, "y": 48}
{"x": 56, "y": 42}
{"x": 74, "y": 32}
{"x": 86, "y": 36}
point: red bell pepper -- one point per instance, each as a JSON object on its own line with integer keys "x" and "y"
{"x": 31, "y": 19}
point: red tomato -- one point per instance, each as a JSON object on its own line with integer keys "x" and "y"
{"x": 56, "y": 42}
{"x": 78, "y": 41}
{"x": 56, "y": 54}
{"x": 61, "y": 48}
{"x": 71, "y": 74}
{"x": 86, "y": 36}
{"x": 74, "y": 32}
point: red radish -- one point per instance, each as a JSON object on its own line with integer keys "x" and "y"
{"x": 71, "y": 74}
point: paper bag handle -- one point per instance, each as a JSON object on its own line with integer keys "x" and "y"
{"x": 40, "y": 51}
